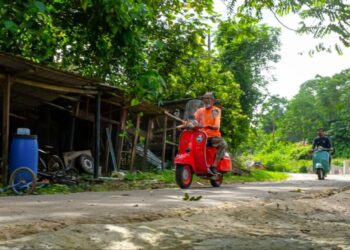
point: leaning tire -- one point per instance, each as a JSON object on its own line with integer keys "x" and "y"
{"x": 22, "y": 181}
{"x": 85, "y": 163}
{"x": 217, "y": 181}
{"x": 184, "y": 176}
{"x": 320, "y": 174}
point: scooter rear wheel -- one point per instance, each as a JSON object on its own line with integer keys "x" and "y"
{"x": 184, "y": 176}
{"x": 217, "y": 181}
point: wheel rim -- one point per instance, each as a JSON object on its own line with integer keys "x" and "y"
{"x": 87, "y": 164}
{"x": 186, "y": 175}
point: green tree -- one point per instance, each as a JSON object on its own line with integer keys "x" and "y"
{"x": 318, "y": 17}
{"x": 123, "y": 42}
{"x": 321, "y": 102}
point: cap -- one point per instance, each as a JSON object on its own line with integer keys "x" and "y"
{"x": 209, "y": 94}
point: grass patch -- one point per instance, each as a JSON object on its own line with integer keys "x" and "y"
{"x": 257, "y": 175}
{"x": 147, "y": 180}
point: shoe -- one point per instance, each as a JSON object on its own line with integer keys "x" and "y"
{"x": 212, "y": 170}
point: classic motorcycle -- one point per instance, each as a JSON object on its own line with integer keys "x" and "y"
{"x": 194, "y": 155}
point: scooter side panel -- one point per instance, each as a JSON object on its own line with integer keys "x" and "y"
{"x": 225, "y": 165}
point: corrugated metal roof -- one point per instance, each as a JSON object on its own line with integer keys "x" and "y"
{"x": 25, "y": 70}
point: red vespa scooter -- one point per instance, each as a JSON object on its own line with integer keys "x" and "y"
{"x": 194, "y": 157}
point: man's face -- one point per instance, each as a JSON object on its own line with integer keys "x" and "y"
{"x": 320, "y": 133}
{"x": 208, "y": 102}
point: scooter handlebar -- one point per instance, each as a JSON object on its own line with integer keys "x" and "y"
{"x": 322, "y": 149}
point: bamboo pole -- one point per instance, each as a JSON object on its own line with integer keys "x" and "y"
{"x": 164, "y": 141}
{"x": 174, "y": 140}
{"x": 120, "y": 145}
{"x": 147, "y": 142}
{"x": 136, "y": 137}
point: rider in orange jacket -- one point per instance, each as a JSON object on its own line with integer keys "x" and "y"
{"x": 208, "y": 118}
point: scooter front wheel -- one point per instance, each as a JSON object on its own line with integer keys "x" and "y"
{"x": 217, "y": 181}
{"x": 184, "y": 176}
{"x": 320, "y": 174}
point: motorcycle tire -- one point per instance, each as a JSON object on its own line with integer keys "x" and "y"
{"x": 217, "y": 181}
{"x": 85, "y": 163}
{"x": 184, "y": 176}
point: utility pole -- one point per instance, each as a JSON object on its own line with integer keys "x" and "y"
{"x": 209, "y": 51}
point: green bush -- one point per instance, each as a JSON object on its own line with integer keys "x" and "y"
{"x": 338, "y": 161}
{"x": 286, "y": 157}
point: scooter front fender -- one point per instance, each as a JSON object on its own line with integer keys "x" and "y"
{"x": 184, "y": 159}
{"x": 318, "y": 165}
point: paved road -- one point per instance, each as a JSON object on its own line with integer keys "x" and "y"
{"x": 291, "y": 214}
{"x": 90, "y": 206}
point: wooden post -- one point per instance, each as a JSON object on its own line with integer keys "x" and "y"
{"x": 136, "y": 138}
{"x": 164, "y": 141}
{"x": 174, "y": 141}
{"x": 72, "y": 134}
{"x": 119, "y": 146}
{"x": 147, "y": 141}
{"x": 97, "y": 135}
{"x": 6, "y": 87}
{"x": 108, "y": 129}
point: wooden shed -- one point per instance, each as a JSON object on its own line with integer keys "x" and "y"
{"x": 71, "y": 112}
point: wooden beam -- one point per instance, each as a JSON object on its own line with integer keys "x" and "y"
{"x": 174, "y": 141}
{"x": 136, "y": 138}
{"x": 147, "y": 142}
{"x": 58, "y": 106}
{"x": 70, "y": 98}
{"x": 107, "y": 101}
{"x": 91, "y": 118}
{"x": 171, "y": 143}
{"x": 173, "y": 116}
{"x": 119, "y": 147}
{"x": 164, "y": 141}
{"x": 51, "y": 87}
{"x": 6, "y": 87}
{"x": 108, "y": 130}
{"x": 18, "y": 116}
{"x": 159, "y": 131}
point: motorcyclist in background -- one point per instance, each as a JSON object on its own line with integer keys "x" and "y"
{"x": 322, "y": 141}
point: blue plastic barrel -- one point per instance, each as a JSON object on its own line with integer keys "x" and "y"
{"x": 24, "y": 153}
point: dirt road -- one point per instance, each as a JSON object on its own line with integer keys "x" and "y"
{"x": 301, "y": 213}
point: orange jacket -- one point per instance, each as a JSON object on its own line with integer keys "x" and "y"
{"x": 209, "y": 117}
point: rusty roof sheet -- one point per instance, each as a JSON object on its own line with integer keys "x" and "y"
{"x": 25, "y": 69}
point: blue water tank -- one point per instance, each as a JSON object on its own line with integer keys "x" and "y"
{"x": 24, "y": 153}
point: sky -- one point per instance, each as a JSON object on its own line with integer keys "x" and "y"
{"x": 296, "y": 66}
